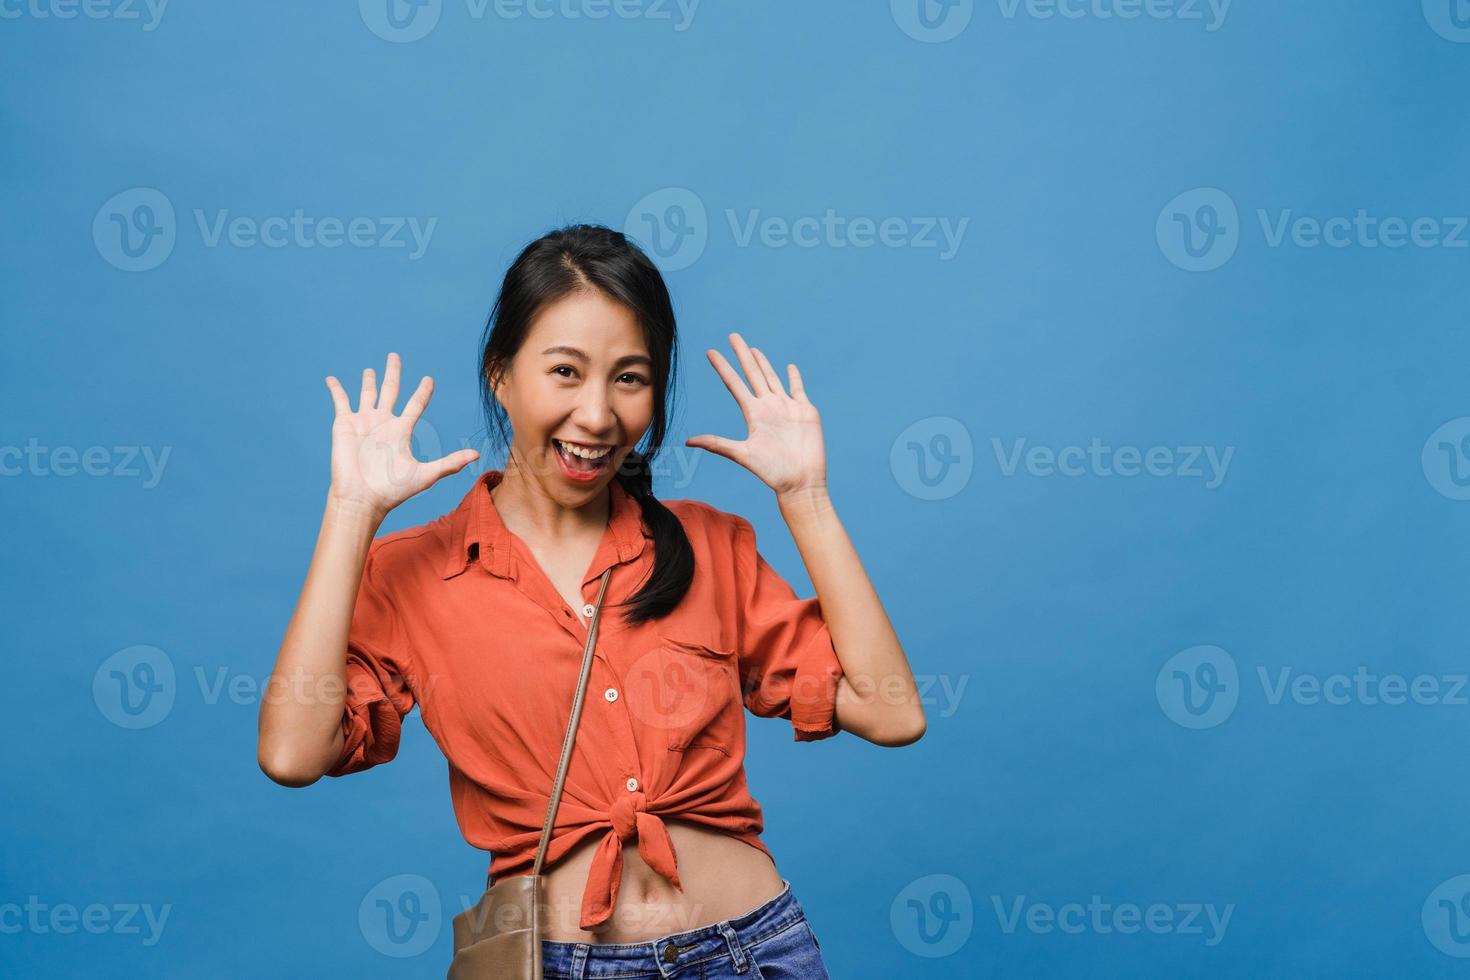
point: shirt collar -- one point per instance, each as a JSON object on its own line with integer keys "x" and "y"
{"x": 475, "y": 522}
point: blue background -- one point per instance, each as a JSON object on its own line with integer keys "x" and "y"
{"x": 1051, "y": 603}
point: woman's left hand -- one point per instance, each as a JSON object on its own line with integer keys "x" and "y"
{"x": 784, "y": 448}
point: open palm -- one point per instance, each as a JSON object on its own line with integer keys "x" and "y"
{"x": 372, "y": 459}
{"x": 784, "y": 448}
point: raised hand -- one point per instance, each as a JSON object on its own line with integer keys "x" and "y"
{"x": 372, "y": 462}
{"x": 784, "y": 448}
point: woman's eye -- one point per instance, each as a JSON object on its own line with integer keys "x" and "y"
{"x": 635, "y": 378}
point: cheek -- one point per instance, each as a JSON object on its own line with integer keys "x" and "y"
{"x": 636, "y": 419}
{"x": 542, "y": 406}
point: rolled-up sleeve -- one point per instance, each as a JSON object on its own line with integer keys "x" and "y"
{"x": 788, "y": 666}
{"x": 379, "y": 693}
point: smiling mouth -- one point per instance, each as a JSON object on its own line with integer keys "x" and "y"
{"x": 582, "y": 459}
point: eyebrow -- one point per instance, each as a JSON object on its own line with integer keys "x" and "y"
{"x": 582, "y": 356}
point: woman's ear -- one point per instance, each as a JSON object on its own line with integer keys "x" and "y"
{"x": 496, "y": 379}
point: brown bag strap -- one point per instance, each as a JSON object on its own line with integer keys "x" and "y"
{"x": 571, "y": 735}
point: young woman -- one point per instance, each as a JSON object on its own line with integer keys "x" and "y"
{"x": 480, "y": 618}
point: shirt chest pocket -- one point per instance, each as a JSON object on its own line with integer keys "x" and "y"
{"x": 685, "y": 691}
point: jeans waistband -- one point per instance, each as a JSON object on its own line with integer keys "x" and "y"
{"x": 676, "y": 950}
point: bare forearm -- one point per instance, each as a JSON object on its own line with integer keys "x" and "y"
{"x": 876, "y": 698}
{"x": 301, "y": 713}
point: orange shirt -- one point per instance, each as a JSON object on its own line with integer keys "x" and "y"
{"x": 457, "y": 617}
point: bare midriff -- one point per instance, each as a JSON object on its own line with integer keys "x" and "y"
{"x": 722, "y": 878}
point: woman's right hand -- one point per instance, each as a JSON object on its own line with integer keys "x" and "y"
{"x": 372, "y": 460}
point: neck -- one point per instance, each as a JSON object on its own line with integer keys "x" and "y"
{"x": 532, "y": 512}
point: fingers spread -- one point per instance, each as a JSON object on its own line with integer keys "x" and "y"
{"x": 768, "y": 372}
{"x": 729, "y": 376}
{"x": 454, "y": 462}
{"x": 368, "y": 396}
{"x": 389, "y": 394}
{"x": 747, "y": 361}
{"x": 798, "y": 390}
{"x": 718, "y": 445}
{"x": 419, "y": 400}
{"x": 339, "y": 397}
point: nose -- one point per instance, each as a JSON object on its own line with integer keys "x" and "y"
{"x": 593, "y": 412}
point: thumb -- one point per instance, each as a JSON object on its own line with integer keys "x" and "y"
{"x": 719, "y": 445}
{"x": 453, "y": 463}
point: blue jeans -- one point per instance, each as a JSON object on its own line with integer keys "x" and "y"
{"x": 770, "y": 942}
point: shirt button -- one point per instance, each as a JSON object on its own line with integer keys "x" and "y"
{"x": 611, "y": 694}
{"x": 632, "y": 785}
{"x": 588, "y": 610}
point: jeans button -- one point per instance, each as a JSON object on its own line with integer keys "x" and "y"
{"x": 670, "y": 953}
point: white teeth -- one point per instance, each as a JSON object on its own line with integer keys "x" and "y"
{"x": 577, "y": 450}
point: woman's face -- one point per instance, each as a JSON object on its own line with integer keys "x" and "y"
{"x": 583, "y": 376}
